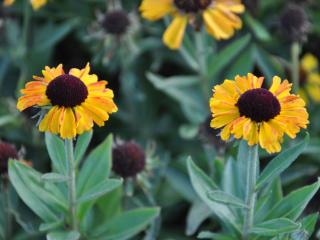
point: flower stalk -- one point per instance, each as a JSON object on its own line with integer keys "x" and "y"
{"x": 295, "y": 68}
{"x": 252, "y": 173}
{"x": 71, "y": 183}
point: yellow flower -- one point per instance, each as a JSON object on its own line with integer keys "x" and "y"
{"x": 75, "y": 100}
{"x": 36, "y": 4}
{"x": 243, "y": 108}
{"x": 8, "y": 2}
{"x": 309, "y": 78}
{"x": 219, "y": 17}
{"x": 309, "y": 63}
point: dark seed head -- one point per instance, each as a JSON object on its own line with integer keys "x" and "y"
{"x": 116, "y": 22}
{"x": 259, "y": 105}
{"x": 67, "y": 91}
{"x": 7, "y": 151}
{"x": 294, "y": 23}
{"x": 192, "y": 6}
{"x": 128, "y": 159}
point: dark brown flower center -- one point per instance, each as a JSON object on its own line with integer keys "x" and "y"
{"x": 7, "y": 151}
{"x": 192, "y": 6}
{"x": 259, "y": 105}
{"x": 67, "y": 91}
{"x": 116, "y": 22}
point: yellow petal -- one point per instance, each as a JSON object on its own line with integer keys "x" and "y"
{"x": 36, "y": 4}
{"x": 68, "y": 124}
{"x": 173, "y": 36}
{"x": 309, "y": 62}
{"x": 156, "y": 9}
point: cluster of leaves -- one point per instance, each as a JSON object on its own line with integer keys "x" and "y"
{"x": 99, "y": 211}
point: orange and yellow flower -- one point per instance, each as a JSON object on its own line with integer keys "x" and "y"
{"x": 36, "y": 4}
{"x": 219, "y": 17}
{"x": 244, "y": 109}
{"x": 75, "y": 100}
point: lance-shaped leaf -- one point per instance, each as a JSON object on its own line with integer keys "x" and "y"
{"x": 281, "y": 163}
{"x": 99, "y": 190}
{"x": 202, "y": 185}
{"x": 275, "y": 227}
{"x": 225, "y": 198}
{"x": 293, "y": 204}
{"x": 126, "y": 225}
{"x": 82, "y": 144}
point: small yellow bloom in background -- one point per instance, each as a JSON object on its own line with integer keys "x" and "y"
{"x": 75, "y": 100}
{"x": 36, "y": 4}
{"x": 8, "y": 2}
{"x": 243, "y": 108}
{"x": 310, "y": 78}
{"x": 219, "y": 17}
{"x": 309, "y": 62}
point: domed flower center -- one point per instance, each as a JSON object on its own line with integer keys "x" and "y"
{"x": 67, "y": 91}
{"x": 116, "y": 22}
{"x": 192, "y": 5}
{"x": 259, "y": 105}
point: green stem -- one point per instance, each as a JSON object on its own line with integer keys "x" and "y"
{"x": 71, "y": 183}
{"x": 202, "y": 64}
{"x": 6, "y": 207}
{"x": 252, "y": 171}
{"x": 295, "y": 68}
{"x": 24, "y": 44}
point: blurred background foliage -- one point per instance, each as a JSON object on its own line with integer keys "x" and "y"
{"x": 162, "y": 95}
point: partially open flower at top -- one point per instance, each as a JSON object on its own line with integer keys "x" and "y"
{"x": 75, "y": 100}
{"x": 294, "y": 23}
{"x": 128, "y": 159}
{"x": 7, "y": 151}
{"x": 36, "y": 4}
{"x": 116, "y": 22}
{"x": 309, "y": 78}
{"x": 243, "y": 108}
{"x": 219, "y": 17}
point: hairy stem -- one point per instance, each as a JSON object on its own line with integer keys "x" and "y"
{"x": 252, "y": 171}
{"x": 71, "y": 183}
{"x": 295, "y": 68}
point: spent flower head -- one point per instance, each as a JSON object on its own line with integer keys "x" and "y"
{"x": 7, "y": 151}
{"x": 128, "y": 159}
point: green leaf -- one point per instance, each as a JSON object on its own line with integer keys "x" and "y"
{"x": 54, "y": 177}
{"x": 202, "y": 185}
{"x": 94, "y": 171}
{"x": 82, "y": 144}
{"x": 242, "y": 65}
{"x": 184, "y": 90}
{"x": 266, "y": 64}
{"x": 55, "y": 147}
{"x": 307, "y": 227}
{"x": 51, "y": 34}
{"x": 45, "y": 227}
{"x": 225, "y": 198}
{"x": 215, "y": 236}
{"x": 275, "y": 227}
{"x": 126, "y": 225}
{"x": 258, "y": 29}
{"x": 293, "y": 204}
{"x": 281, "y": 163}
{"x": 99, "y": 190}
{"x": 28, "y": 185}
{"x": 96, "y": 168}
{"x": 181, "y": 184}
{"x": 225, "y": 56}
{"x": 197, "y": 214}
{"x": 61, "y": 235}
